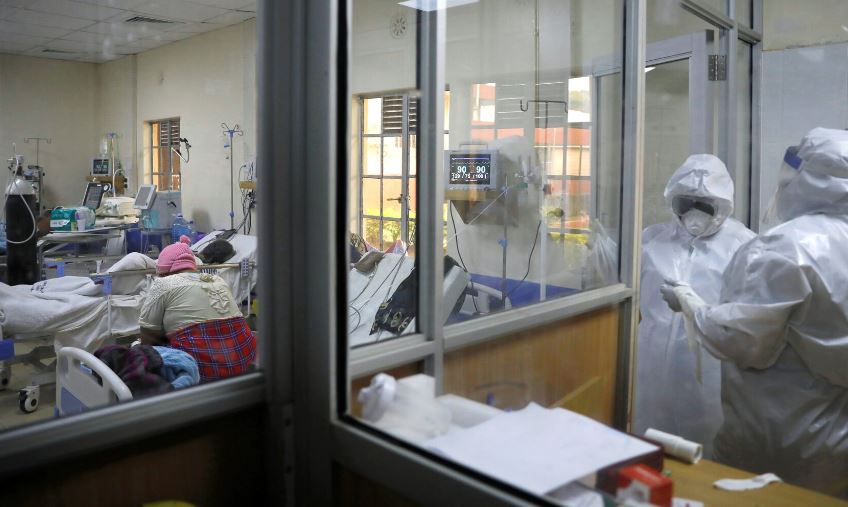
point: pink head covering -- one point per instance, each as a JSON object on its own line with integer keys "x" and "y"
{"x": 176, "y": 257}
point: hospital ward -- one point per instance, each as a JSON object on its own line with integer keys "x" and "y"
{"x": 581, "y": 253}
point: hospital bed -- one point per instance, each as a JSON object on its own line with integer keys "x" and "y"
{"x": 367, "y": 291}
{"x": 73, "y": 314}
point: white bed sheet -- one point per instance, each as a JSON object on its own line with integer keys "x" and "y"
{"x": 60, "y": 308}
{"x": 367, "y": 293}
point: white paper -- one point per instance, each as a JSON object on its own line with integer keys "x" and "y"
{"x": 746, "y": 484}
{"x": 685, "y": 502}
{"x": 538, "y": 449}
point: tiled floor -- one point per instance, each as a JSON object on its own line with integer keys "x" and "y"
{"x": 10, "y": 414}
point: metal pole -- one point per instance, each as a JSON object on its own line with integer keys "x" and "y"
{"x": 231, "y": 133}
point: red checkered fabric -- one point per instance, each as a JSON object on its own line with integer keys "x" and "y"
{"x": 222, "y": 348}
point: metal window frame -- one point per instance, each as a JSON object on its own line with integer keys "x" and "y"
{"x": 301, "y": 69}
{"x": 154, "y": 147}
{"x": 405, "y": 177}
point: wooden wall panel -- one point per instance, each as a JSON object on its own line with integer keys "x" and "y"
{"x": 570, "y": 363}
{"x": 218, "y": 462}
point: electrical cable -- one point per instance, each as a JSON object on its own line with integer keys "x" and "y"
{"x": 529, "y": 260}
{"x": 459, "y": 253}
{"x": 483, "y": 211}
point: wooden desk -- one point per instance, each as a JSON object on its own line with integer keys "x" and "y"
{"x": 695, "y": 482}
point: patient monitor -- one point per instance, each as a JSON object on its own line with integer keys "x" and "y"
{"x": 158, "y": 209}
{"x": 478, "y": 183}
{"x": 144, "y": 198}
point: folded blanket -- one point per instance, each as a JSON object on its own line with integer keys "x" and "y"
{"x": 178, "y": 367}
{"x": 137, "y": 366}
{"x": 131, "y": 284}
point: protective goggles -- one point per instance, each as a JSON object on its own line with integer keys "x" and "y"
{"x": 682, "y": 204}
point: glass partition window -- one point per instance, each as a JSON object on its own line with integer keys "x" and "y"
{"x": 126, "y": 152}
{"x": 387, "y": 169}
{"x": 527, "y": 221}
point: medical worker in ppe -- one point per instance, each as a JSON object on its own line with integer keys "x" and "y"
{"x": 677, "y": 386}
{"x": 782, "y": 328}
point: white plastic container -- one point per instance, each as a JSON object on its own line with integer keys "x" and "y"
{"x": 402, "y": 410}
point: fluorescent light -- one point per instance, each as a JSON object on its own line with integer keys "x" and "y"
{"x": 432, "y": 5}
{"x": 649, "y": 69}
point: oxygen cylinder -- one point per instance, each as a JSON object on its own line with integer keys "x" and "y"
{"x": 21, "y": 233}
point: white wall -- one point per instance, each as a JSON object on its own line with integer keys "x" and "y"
{"x": 205, "y": 81}
{"x": 54, "y": 99}
{"x": 116, "y": 98}
{"x": 790, "y": 23}
{"x": 805, "y": 77}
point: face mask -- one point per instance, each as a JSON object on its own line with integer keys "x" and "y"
{"x": 696, "y": 221}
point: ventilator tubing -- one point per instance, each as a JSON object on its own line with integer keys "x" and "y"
{"x": 678, "y": 447}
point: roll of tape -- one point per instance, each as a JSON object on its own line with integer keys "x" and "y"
{"x": 676, "y": 446}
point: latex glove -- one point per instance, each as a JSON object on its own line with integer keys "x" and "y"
{"x": 689, "y": 300}
{"x": 670, "y": 297}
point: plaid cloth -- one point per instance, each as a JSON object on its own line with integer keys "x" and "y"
{"x": 222, "y": 348}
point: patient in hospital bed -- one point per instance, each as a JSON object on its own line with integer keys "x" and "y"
{"x": 197, "y": 313}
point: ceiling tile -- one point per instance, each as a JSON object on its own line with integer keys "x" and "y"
{"x": 27, "y": 40}
{"x": 75, "y": 9}
{"x": 45, "y": 19}
{"x": 81, "y": 36}
{"x": 224, "y": 4}
{"x": 80, "y": 47}
{"x": 193, "y": 28}
{"x": 232, "y": 18}
{"x": 13, "y": 47}
{"x": 177, "y": 10}
{"x": 36, "y": 30}
{"x": 115, "y": 4}
{"x": 141, "y": 45}
{"x": 39, "y": 53}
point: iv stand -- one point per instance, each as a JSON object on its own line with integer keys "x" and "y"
{"x": 38, "y": 141}
{"x": 231, "y": 132}
{"x": 544, "y": 236}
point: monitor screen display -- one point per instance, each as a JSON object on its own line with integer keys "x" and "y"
{"x": 144, "y": 199}
{"x": 100, "y": 167}
{"x": 470, "y": 169}
{"x": 93, "y": 195}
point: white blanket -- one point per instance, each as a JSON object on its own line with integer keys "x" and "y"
{"x": 135, "y": 283}
{"x": 73, "y": 319}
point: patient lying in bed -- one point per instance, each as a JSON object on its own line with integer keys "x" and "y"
{"x": 196, "y": 312}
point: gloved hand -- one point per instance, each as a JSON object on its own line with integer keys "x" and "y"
{"x": 668, "y": 295}
{"x": 688, "y": 299}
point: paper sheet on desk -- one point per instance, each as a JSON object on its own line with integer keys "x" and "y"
{"x": 539, "y": 449}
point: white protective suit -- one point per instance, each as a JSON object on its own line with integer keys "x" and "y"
{"x": 782, "y": 330}
{"x": 669, "y": 396}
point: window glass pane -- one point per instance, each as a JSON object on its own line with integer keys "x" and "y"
{"x": 392, "y": 197}
{"x": 382, "y": 296}
{"x": 744, "y": 12}
{"x": 371, "y": 156}
{"x": 373, "y": 113}
{"x": 666, "y": 134}
{"x": 668, "y": 19}
{"x": 392, "y": 156}
{"x": 371, "y": 196}
{"x": 521, "y": 234}
{"x": 371, "y": 232}
{"x": 89, "y": 100}
{"x": 742, "y": 176}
